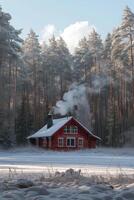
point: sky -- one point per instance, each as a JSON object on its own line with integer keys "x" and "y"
{"x": 69, "y": 18}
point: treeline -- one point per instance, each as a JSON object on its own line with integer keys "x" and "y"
{"x": 33, "y": 77}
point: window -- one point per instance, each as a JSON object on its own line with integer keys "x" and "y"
{"x": 66, "y": 129}
{"x": 74, "y": 129}
{"x": 80, "y": 142}
{"x": 71, "y": 142}
{"x": 60, "y": 142}
{"x": 71, "y": 129}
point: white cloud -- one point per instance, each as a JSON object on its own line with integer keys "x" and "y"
{"x": 72, "y": 34}
{"x": 75, "y": 32}
{"x": 48, "y": 32}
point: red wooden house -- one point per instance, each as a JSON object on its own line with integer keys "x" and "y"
{"x": 64, "y": 134}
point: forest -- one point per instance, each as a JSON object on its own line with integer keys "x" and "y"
{"x": 34, "y": 76}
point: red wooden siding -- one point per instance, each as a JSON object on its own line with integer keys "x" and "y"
{"x": 88, "y": 141}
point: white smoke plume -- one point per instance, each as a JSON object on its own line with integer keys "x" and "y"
{"x": 76, "y": 96}
{"x": 100, "y": 82}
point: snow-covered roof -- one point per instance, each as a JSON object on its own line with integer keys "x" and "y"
{"x": 88, "y": 130}
{"x": 57, "y": 124}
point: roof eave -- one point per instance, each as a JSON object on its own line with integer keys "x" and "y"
{"x": 87, "y": 130}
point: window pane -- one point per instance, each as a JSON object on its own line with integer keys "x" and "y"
{"x": 68, "y": 142}
{"x": 65, "y": 129}
{"x": 60, "y": 142}
{"x": 80, "y": 142}
{"x": 72, "y": 142}
{"x": 71, "y": 129}
{"x": 75, "y": 129}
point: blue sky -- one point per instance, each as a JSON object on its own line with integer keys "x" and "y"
{"x": 36, "y": 14}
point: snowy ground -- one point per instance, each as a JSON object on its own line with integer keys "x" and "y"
{"x": 105, "y": 174}
{"x": 70, "y": 185}
{"x": 96, "y": 161}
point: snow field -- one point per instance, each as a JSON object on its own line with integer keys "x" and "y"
{"x": 65, "y": 185}
{"x": 97, "y": 161}
{"x": 34, "y": 174}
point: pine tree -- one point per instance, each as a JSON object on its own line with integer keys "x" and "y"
{"x": 127, "y": 32}
{"x": 107, "y": 47}
{"x": 32, "y": 58}
{"x": 96, "y": 48}
{"x": 64, "y": 71}
{"x": 110, "y": 122}
{"x": 97, "y": 77}
{"x": 82, "y": 61}
{"x": 24, "y": 122}
{"x": 57, "y": 64}
{"x": 9, "y": 60}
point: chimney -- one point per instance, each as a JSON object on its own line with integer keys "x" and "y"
{"x": 75, "y": 111}
{"x": 50, "y": 120}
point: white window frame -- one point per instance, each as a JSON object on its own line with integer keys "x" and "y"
{"x": 70, "y": 138}
{"x": 70, "y": 130}
{"x": 62, "y": 139}
{"x": 82, "y": 142}
{"x": 74, "y": 129}
{"x": 65, "y": 129}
